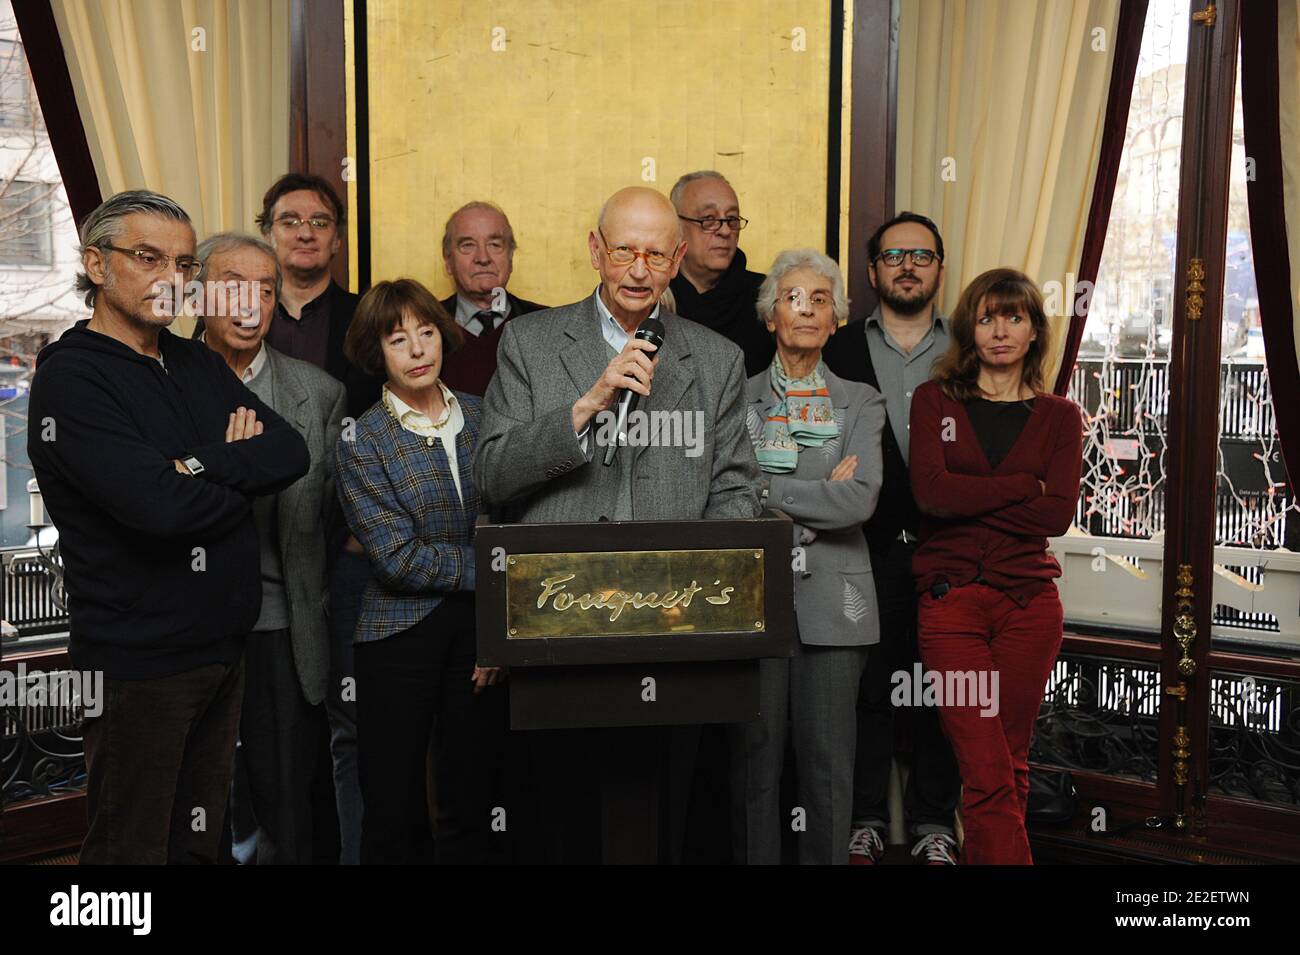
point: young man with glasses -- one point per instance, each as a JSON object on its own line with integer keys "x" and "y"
{"x": 713, "y": 286}
{"x": 149, "y": 454}
{"x": 893, "y": 350}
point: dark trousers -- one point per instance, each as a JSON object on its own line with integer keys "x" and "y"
{"x": 276, "y": 760}
{"x": 930, "y": 798}
{"x": 613, "y": 795}
{"x": 980, "y": 629}
{"x": 404, "y": 683}
{"x": 348, "y": 578}
{"x": 158, "y": 761}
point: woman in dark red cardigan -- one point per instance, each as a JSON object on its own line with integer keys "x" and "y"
{"x": 995, "y": 464}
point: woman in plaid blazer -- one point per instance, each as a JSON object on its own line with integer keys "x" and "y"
{"x": 406, "y": 482}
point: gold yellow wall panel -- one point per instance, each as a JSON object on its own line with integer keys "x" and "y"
{"x": 586, "y": 97}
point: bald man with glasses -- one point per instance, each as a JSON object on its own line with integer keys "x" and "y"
{"x": 537, "y": 462}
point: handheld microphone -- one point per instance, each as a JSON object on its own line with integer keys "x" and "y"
{"x": 652, "y": 331}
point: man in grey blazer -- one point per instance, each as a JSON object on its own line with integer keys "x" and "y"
{"x": 542, "y": 445}
{"x": 286, "y": 658}
{"x": 560, "y": 367}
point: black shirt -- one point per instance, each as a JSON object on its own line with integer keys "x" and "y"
{"x": 130, "y": 526}
{"x": 998, "y": 425}
{"x": 305, "y": 337}
{"x": 729, "y": 309}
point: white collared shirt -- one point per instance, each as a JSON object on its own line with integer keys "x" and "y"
{"x": 445, "y": 429}
{"x": 616, "y": 337}
{"x": 254, "y": 367}
{"x": 614, "y": 333}
{"x": 466, "y": 311}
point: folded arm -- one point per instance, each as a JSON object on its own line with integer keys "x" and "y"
{"x": 264, "y": 464}
{"x": 939, "y": 491}
{"x": 826, "y": 505}
{"x": 1051, "y": 514}
{"x": 97, "y": 448}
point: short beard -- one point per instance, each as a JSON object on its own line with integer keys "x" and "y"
{"x": 907, "y": 306}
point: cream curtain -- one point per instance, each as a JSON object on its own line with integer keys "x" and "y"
{"x": 188, "y": 98}
{"x": 1000, "y": 115}
{"x": 1288, "y": 76}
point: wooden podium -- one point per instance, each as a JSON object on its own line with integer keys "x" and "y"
{"x": 633, "y": 624}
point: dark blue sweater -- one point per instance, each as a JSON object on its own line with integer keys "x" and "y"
{"x": 161, "y": 568}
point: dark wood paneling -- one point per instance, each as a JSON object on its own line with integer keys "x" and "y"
{"x": 872, "y": 138}
{"x": 318, "y": 130}
{"x": 1194, "y": 384}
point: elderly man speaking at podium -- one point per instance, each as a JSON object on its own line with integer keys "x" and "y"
{"x": 542, "y": 450}
{"x": 560, "y": 373}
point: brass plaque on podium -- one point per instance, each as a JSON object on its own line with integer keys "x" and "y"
{"x": 630, "y": 593}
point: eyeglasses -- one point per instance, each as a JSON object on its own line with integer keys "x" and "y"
{"x": 920, "y": 257}
{"x": 713, "y": 223}
{"x": 155, "y": 261}
{"x": 796, "y": 298}
{"x": 625, "y": 256}
{"x": 318, "y": 224}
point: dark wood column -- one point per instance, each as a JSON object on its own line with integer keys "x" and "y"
{"x": 318, "y": 130}
{"x": 45, "y": 58}
{"x": 872, "y": 138}
{"x": 1193, "y": 407}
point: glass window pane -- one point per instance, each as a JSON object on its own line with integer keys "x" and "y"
{"x": 1121, "y": 378}
{"x": 38, "y": 263}
{"x": 1257, "y": 530}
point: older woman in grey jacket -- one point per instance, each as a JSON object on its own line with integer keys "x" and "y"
{"x": 817, "y": 439}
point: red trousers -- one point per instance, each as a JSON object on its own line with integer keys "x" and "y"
{"x": 978, "y": 628}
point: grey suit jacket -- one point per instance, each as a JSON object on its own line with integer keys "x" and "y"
{"x": 834, "y": 595}
{"x": 313, "y": 402}
{"x": 529, "y": 466}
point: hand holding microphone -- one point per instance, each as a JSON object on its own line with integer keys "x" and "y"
{"x": 651, "y": 331}
{"x": 630, "y": 371}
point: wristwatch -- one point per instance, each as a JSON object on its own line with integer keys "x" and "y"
{"x": 194, "y": 464}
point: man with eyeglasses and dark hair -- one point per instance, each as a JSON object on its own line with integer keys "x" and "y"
{"x": 893, "y": 350}
{"x": 713, "y": 286}
{"x": 301, "y": 217}
{"x": 149, "y": 453}
{"x": 478, "y": 252}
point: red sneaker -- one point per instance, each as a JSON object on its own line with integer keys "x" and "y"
{"x": 866, "y": 847}
{"x": 938, "y": 848}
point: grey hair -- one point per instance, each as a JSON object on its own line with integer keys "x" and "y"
{"x": 229, "y": 242}
{"x": 104, "y": 225}
{"x": 680, "y": 186}
{"x": 791, "y": 259}
{"x": 511, "y": 244}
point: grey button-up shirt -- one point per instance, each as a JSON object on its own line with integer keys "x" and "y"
{"x": 900, "y": 372}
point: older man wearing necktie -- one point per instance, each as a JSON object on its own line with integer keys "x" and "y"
{"x": 478, "y": 249}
